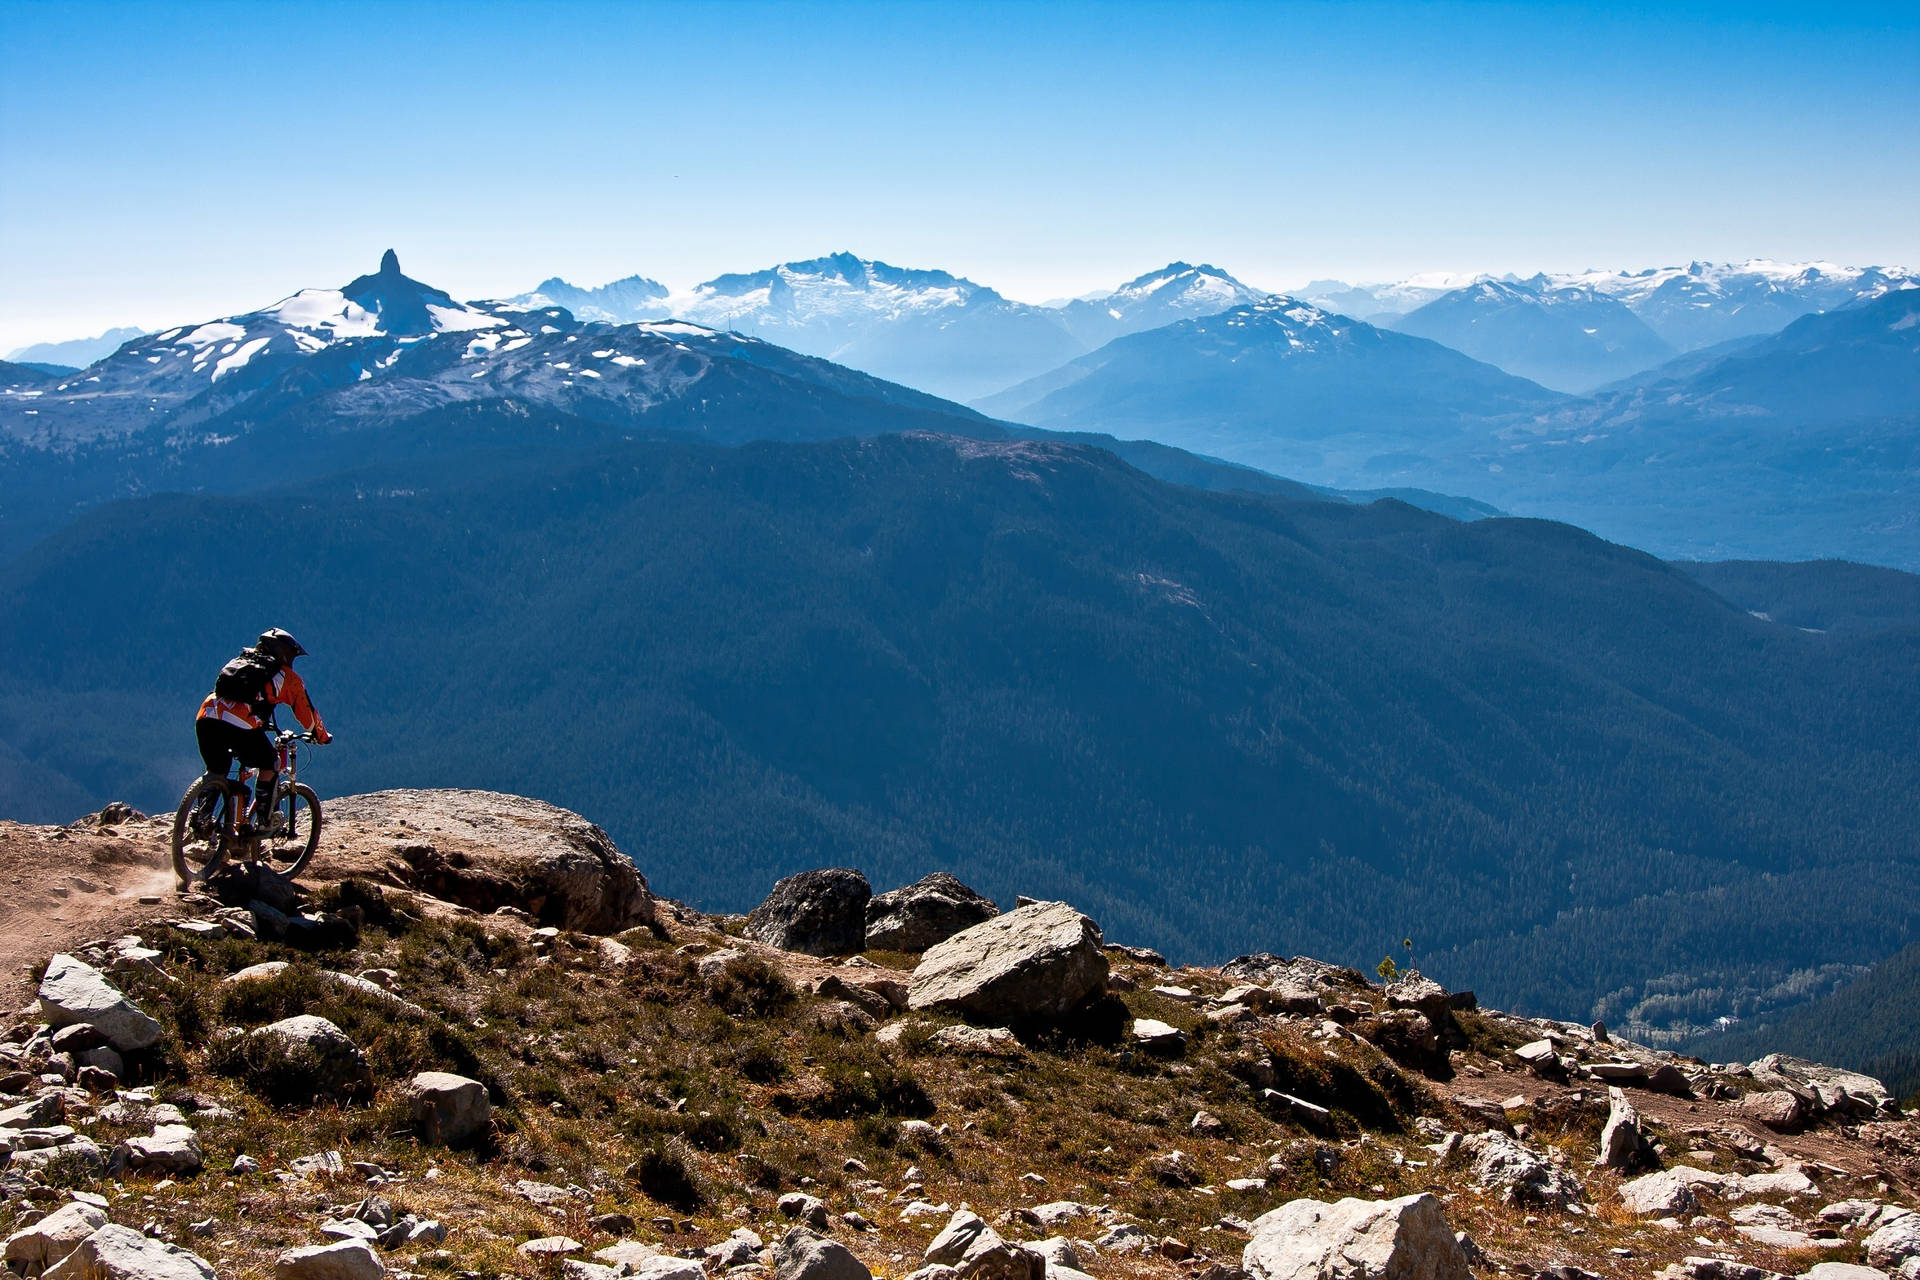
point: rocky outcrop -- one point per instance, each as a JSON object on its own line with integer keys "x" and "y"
{"x": 925, "y": 913}
{"x": 75, "y": 993}
{"x": 1404, "y": 1239}
{"x": 1668, "y": 1193}
{"x": 448, "y": 1110}
{"x": 817, "y": 913}
{"x": 1040, "y": 961}
{"x": 484, "y": 850}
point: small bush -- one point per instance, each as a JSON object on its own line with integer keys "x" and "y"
{"x": 666, "y": 1173}
{"x": 748, "y": 986}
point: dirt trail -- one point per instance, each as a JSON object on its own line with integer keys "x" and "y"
{"x": 60, "y": 886}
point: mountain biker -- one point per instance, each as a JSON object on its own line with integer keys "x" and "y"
{"x": 232, "y": 721}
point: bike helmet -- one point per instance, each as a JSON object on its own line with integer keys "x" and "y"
{"x": 275, "y": 638}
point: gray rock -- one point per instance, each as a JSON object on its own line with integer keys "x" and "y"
{"x": 802, "y": 1254}
{"x": 121, "y": 1253}
{"x": 338, "y": 1068}
{"x": 33, "y": 1249}
{"x": 1624, "y": 1143}
{"x": 170, "y": 1148}
{"x": 817, "y": 913}
{"x": 739, "y": 1249}
{"x": 341, "y": 1260}
{"x": 1781, "y": 1067}
{"x": 1894, "y": 1243}
{"x": 974, "y": 1249}
{"x": 1404, "y": 1239}
{"x": 484, "y": 850}
{"x": 549, "y": 1248}
{"x": 74, "y": 992}
{"x": 802, "y": 1207}
{"x": 989, "y": 1042}
{"x": 1841, "y": 1271}
{"x": 924, "y": 913}
{"x": 448, "y": 1110}
{"x": 1505, "y": 1164}
{"x": 1659, "y": 1195}
{"x": 1777, "y": 1109}
{"x": 1041, "y": 961}
{"x": 1156, "y": 1036}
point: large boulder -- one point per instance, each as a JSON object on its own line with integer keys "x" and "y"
{"x": 333, "y": 1062}
{"x": 817, "y": 913}
{"x": 341, "y": 1260}
{"x": 1043, "y": 960}
{"x": 73, "y": 992}
{"x": 803, "y": 1254}
{"x": 485, "y": 850}
{"x": 31, "y": 1250}
{"x": 1404, "y": 1239}
{"x": 924, "y": 913}
{"x": 121, "y": 1253}
{"x": 448, "y": 1110}
{"x": 1834, "y": 1086}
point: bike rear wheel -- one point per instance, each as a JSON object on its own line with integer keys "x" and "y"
{"x": 198, "y": 853}
{"x": 289, "y": 845}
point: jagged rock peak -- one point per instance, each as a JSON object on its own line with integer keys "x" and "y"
{"x": 389, "y": 263}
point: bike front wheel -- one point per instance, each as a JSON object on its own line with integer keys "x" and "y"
{"x": 200, "y": 836}
{"x": 288, "y": 846}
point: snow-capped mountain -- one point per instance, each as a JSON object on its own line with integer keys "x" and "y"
{"x": 1176, "y": 292}
{"x": 933, "y": 330}
{"x": 1689, "y": 307}
{"x": 942, "y": 333}
{"x": 1704, "y": 303}
{"x": 75, "y": 353}
{"x": 193, "y": 373}
{"x": 620, "y": 302}
{"x": 1278, "y": 383}
{"x": 1570, "y": 338}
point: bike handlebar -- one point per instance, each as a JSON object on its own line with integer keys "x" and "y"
{"x": 285, "y": 736}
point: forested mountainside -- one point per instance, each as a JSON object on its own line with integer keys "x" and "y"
{"x": 1871, "y": 1023}
{"x": 1577, "y": 779}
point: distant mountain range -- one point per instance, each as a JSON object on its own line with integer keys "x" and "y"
{"x": 1279, "y": 384}
{"x": 1789, "y": 445}
{"x": 1688, "y": 307}
{"x": 1568, "y": 338}
{"x": 928, "y": 329}
{"x": 310, "y": 382}
{"x": 76, "y": 353}
{"x": 1805, "y": 443}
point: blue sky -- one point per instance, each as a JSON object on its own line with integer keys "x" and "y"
{"x": 167, "y": 162}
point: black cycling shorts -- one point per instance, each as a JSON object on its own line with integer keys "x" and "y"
{"x": 222, "y": 743}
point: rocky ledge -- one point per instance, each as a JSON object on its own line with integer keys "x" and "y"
{"x": 485, "y": 1048}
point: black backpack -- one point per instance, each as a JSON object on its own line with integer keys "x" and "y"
{"x": 245, "y": 678}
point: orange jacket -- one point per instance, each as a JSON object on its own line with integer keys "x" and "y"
{"x": 286, "y": 689}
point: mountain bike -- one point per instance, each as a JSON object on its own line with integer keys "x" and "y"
{"x": 210, "y": 829}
